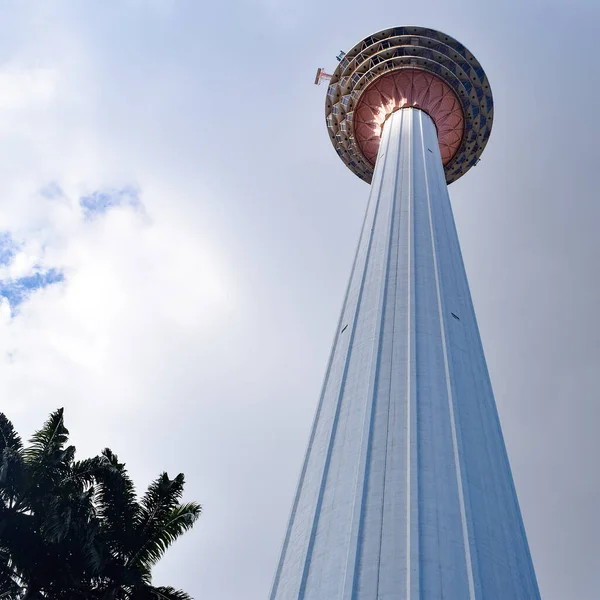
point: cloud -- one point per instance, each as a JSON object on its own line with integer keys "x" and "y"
{"x": 21, "y": 275}
{"x": 21, "y": 88}
{"x": 22, "y": 270}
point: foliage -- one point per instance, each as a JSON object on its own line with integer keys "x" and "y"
{"x": 76, "y": 529}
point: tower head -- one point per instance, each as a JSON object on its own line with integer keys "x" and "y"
{"x": 409, "y": 67}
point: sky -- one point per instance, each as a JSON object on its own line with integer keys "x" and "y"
{"x": 176, "y": 233}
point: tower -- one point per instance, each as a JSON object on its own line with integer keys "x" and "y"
{"x": 406, "y": 491}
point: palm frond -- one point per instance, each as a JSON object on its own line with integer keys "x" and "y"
{"x": 12, "y": 473}
{"x": 181, "y": 519}
{"x": 160, "y": 499}
{"x": 83, "y": 473}
{"x": 12, "y": 468}
{"x": 57, "y": 522}
{"x": 9, "y": 582}
{"x": 9, "y": 438}
{"x": 51, "y": 438}
{"x": 149, "y": 592}
{"x": 162, "y": 496}
{"x": 117, "y": 504}
{"x": 68, "y": 513}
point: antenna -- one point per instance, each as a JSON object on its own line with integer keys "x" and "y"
{"x": 322, "y": 76}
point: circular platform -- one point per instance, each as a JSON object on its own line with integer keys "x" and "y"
{"x": 402, "y": 67}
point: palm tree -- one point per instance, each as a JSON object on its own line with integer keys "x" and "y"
{"x": 135, "y": 534}
{"x": 46, "y": 510}
{"x": 75, "y": 529}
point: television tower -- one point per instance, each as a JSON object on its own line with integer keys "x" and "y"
{"x": 406, "y": 492}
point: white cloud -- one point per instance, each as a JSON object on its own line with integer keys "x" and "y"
{"x": 128, "y": 281}
{"x": 22, "y": 88}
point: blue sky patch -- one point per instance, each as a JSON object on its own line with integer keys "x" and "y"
{"x": 8, "y": 248}
{"x": 101, "y": 201}
{"x": 18, "y": 290}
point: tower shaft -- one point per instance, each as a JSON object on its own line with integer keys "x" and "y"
{"x": 406, "y": 491}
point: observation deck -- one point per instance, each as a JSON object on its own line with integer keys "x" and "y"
{"x": 409, "y": 67}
